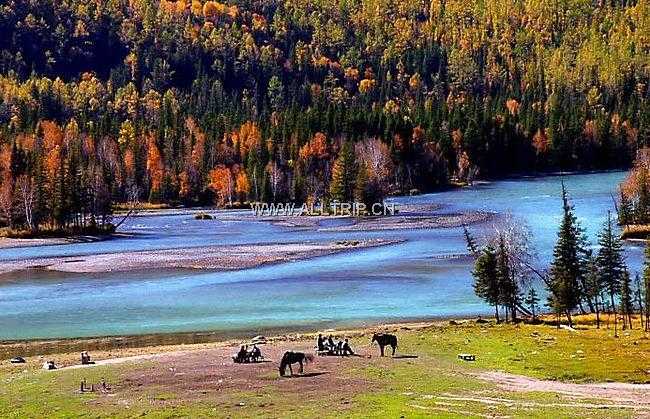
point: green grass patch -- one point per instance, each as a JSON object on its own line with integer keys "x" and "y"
{"x": 433, "y": 383}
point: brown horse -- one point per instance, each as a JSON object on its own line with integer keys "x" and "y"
{"x": 291, "y": 357}
{"x": 384, "y": 339}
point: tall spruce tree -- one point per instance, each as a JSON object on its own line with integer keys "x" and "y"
{"x": 567, "y": 271}
{"x": 611, "y": 264}
{"x": 646, "y": 286}
{"x": 625, "y": 211}
{"x": 508, "y": 287}
{"x": 646, "y": 302}
{"x": 627, "y": 299}
{"x": 343, "y": 175}
{"x": 361, "y": 194}
{"x": 638, "y": 298}
{"x": 593, "y": 288}
{"x": 486, "y": 282}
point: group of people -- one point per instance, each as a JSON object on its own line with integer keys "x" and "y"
{"x": 85, "y": 358}
{"x": 246, "y": 356}
{"x": 50, "y": 365}
{"x": 329, "y": 347}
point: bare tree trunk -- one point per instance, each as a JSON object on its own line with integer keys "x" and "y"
{"x": 569, "y": 319}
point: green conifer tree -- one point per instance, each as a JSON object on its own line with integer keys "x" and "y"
{"x": 611, "y": 265}
{"x": 486, "y": 284}
{"x": 508, "y": 288}
{"x": 627, "y": 303}
{"x": 593, "y": 289}
{"x": 565, "y": 283}
{"x": 625, "y": 211}
{"x": 343, "y": 175}
{"x": 361, "y": 186}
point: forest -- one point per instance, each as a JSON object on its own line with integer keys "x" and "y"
{"x": 581, "y": 277}
{"x": 201, "y": 103}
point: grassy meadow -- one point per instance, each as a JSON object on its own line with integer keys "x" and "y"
{"x": 426, "y": 379}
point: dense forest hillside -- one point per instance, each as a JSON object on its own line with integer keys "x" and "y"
{"x": 198, "y": 102}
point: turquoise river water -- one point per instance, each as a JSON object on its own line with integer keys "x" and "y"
{"x": 428, "y": 275}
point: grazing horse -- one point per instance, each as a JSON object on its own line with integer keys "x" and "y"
{"x": 384, "y": 339}
{"x": 291, "y": 357}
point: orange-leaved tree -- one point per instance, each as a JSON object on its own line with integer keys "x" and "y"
{"x": 221, "y": 183}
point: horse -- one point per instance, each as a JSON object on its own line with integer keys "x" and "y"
{"x": 384, "y": 339}
{"x": 291, "y": 357}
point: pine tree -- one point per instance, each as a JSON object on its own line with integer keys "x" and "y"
{"x": 646, "y": 286}
{"x": 556, "y": 300}
{"x": 566, "y": 276}
{"x": 343, "y": 175}
{"x": 361, "y": 186}
{"x": 611, "y": 265}
{"x": 486, "y": 284}
{"x": 638, "y": 298}
{"x": 625, "y": 211}
{"x": 593, "y": 287}
{"x": 627, "y": 304}
{"x": 508, "y": 288}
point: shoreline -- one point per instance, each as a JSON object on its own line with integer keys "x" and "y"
{"x": 41, "y": 347}
{"x": 516, "y": 370}
{"x": 14, "y": 243}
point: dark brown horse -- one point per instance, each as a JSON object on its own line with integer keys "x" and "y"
{"x": 384, "y": 339}
{"x": 291, "y": 357}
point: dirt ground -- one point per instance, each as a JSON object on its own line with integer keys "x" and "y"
{"x": 621, "y": 393}
{"x": 210, "y": 374}
{"x": 214, "y": 369}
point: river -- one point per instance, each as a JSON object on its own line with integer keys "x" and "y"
{"x": 425, "y": 276}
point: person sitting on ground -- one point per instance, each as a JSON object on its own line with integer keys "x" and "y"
{"x": 320, "y": 343}
{"x": 105, "y": 386}
{"x": 330, "y": 344}
{"x": 255, "y": 354}
{"x": 347, "y": 350}
{"x": 85, "y": 358}
{"x": 49, "y": 365}
{"x": 242, "y": 355}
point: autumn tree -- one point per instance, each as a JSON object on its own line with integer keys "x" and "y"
{"x": 242, "y": 187}
{"x": 275, "y": 177}
{"x": 221, "y": 182}
{"x": 646, "y": 286}
{"x": 155, "y": 169}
